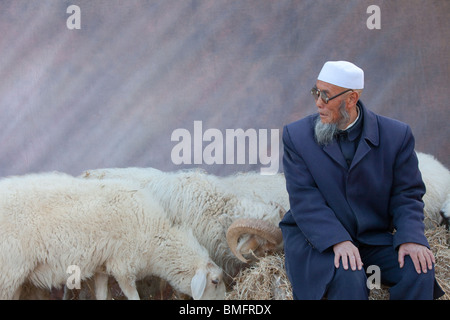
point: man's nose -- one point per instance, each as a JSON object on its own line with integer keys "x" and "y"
{"x": 320, "y": 103}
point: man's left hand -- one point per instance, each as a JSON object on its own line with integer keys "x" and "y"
{"x": 421, "y": 256}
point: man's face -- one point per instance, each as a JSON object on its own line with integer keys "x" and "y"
{"x": 330, "y": 112}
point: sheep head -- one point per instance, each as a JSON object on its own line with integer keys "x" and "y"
{"x": 445, "y": 213}
{"x": 253, "y": 236}
{"x": 208, "y": 284}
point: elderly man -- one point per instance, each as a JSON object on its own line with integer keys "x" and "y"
{"x": 355, "y": 195}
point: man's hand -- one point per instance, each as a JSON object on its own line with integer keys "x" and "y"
{"x": 421, "y": 256}
{"x": 349, "y": 253}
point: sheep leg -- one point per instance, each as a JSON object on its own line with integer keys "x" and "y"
{"x": 128, "y": 287}
{"x": 101, "y": 286}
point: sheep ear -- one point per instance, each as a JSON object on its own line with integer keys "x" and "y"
{"x": 198, "y": 284}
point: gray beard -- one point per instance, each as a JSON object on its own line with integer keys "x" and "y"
{"x": 325, "y": 132}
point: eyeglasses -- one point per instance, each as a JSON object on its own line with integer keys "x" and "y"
{"x": 317, "y": 93}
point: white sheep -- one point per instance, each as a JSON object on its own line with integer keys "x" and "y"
{"x": 227, "y": 225}
{"x": 51, "y": 221}
{"x": 437, "y": 196}
{"x": 266, "y": 188}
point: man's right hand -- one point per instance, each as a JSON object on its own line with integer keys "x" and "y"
{"x": 348, "y": 253}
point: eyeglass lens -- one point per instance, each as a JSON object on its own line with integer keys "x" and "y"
{"x": 316, "y": 93}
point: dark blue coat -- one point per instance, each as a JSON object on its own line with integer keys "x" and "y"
{"x": 330, "y": 202}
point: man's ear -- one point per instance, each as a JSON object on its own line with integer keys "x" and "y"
{"x": 353, "y": 97}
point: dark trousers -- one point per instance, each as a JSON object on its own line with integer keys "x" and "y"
{"x": 404, "y": 283}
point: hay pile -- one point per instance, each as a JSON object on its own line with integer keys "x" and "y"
{"x": 438, "y": 239}
{"x": 267, "y": 279}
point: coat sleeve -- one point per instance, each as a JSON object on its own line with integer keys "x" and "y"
{"x": 406, "y": 205}
{"x": 308, "y": 208}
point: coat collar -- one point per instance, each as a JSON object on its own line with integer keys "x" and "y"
{"x": 370, "y": 126}
{"x": 369, "y": 137}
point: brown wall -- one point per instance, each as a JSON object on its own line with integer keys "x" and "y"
{"x": 112, "y": 93}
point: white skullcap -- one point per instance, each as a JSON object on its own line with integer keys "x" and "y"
{"x": 342, "y": 74}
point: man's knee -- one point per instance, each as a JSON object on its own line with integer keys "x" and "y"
{"x": 413, "y": 285}
{"x": 409, "y": 273}
{"x": 348, "y": 284}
